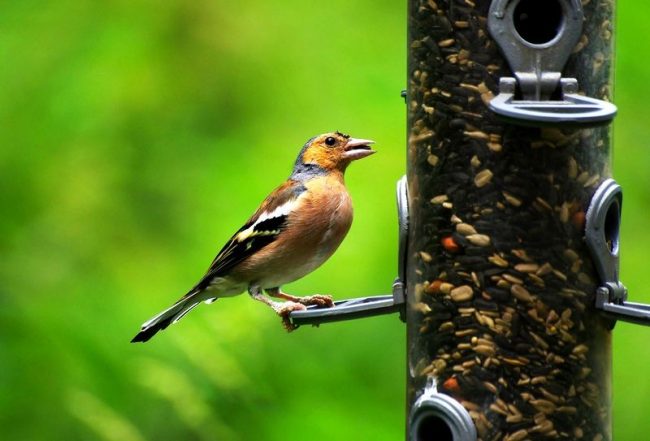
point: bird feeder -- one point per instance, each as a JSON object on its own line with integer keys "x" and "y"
{"x": 509, "y": 143}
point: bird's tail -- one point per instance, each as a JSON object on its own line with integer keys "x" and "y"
{"x": 170, "y": 315}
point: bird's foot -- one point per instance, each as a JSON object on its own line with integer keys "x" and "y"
{"x": 285, "y": 309}
{"x": 319, "y": 300}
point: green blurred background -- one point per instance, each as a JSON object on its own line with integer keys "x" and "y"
{"x": 138, "y": 135}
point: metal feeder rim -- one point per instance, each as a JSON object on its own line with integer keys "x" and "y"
{"x": 450, "y": 411}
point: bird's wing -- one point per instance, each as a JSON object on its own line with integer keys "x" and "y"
{"x": 261, "y": 229}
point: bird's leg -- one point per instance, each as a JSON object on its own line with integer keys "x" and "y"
{"x": 319, "y": 300}
{"x": 283, "y": 309}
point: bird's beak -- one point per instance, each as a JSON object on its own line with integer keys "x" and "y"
{"x": 358, "y": 148}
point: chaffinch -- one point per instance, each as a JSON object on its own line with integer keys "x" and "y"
{"x": 294, "y": 231}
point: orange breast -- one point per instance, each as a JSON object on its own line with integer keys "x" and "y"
{"x": 314, "y": 231}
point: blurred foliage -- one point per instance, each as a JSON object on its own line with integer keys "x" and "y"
{"x": 138, "y": 135}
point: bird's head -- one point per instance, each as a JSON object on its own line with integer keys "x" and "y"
{"x": 332, "y": 151}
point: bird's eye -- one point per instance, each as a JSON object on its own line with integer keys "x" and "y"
{"x": 330, "y": 141}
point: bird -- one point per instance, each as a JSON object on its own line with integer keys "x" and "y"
{"x": 294, "y": 231}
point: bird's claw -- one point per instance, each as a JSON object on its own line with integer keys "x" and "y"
{"x": 285, "y": 310}
{"x": 319, "y": 300}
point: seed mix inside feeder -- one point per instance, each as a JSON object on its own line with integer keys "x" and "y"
{"x": 501, "y": 285}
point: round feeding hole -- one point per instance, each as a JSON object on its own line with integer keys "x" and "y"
{"x": 538, "y": 21}
{"x": 431, "y": 427}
